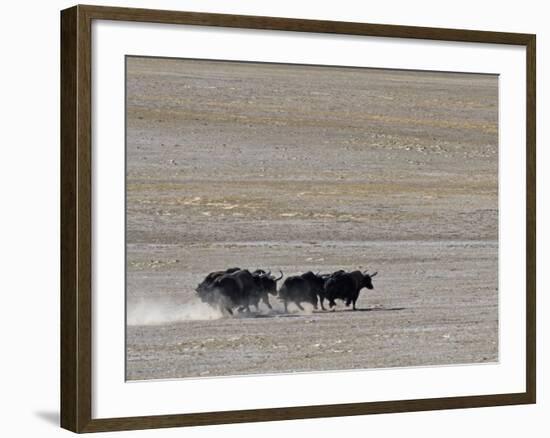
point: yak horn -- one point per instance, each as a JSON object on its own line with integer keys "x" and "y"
{"x": 277, "y": 279}
{"x": 372, "y": 275}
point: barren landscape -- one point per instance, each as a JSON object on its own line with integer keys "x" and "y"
{"x": 298, "y": 168}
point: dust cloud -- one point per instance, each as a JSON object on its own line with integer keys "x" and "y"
{"x": 156, "y": 312}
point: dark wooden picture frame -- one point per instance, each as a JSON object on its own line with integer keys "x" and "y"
{"x": 76, "y": 218}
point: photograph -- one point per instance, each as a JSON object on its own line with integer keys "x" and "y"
{"x": 291, "y": 218}
{"x": 270, "y": 217}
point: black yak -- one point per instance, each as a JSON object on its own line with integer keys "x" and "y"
{"x": 301, "y": 289}
{"x": 266, "y": 284}
{"x": 325, "y": 278}
{"x": 208, "y": 281}
{"x": 346, "y": 287}
{"x": 230, "y": 290}
{"x": 237, "y": 288}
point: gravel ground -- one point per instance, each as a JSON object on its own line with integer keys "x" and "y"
{"x": 309, "y": 168}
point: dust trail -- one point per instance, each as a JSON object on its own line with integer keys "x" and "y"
{"x": 153, "y": 312}
{"x": 308, "y": 309}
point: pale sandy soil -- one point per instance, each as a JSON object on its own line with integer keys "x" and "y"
{"x": 308, "y": 168}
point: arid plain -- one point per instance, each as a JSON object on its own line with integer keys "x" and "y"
{"x": 299, "y": 168}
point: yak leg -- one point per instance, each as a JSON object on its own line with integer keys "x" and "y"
{"x": 286, "y": 306}
{"x": 322, "y": 299}
{"x": 244, "y": 309}
{"x": 332, "y": 305}
{"x": 354, "y": 300}
{"x": 266, "y": 301}
{"x": 224, "y": 309}
{"x": 299, "y": 305}
{"x": 314, "y": 301}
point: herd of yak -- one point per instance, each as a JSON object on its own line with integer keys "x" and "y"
{"x": 238, "y": 289}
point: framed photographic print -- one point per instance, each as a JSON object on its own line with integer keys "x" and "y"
{"x": 304, "y": 218}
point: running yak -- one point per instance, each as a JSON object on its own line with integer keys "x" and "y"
{"x": 346, "y": 286}
{"x": 300, "y": 289}
{"x": 237, "y": 288}
{"x": 322, "y": 293}
{"x": 266, "y": 284}
{"x": 207, "y": 283}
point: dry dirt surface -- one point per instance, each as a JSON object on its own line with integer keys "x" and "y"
{"x": 303, "y": 168}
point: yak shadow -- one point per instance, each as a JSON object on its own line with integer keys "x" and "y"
{"x": 273, "y": 314}
{"x": 279, "y": 314}
{"x": 372, "y": 309}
